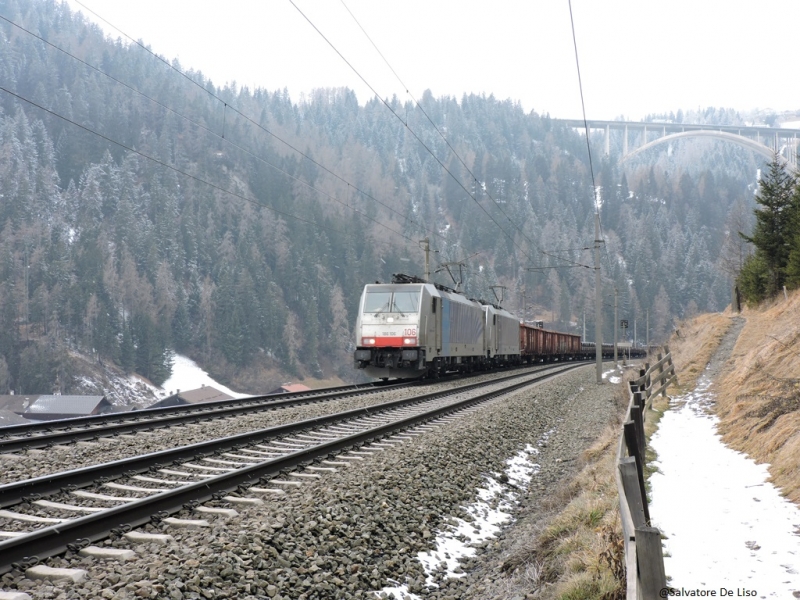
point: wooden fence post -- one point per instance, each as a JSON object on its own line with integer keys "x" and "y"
{"x": 630, "y": 483}
{"x": 672, "y": 366}
{"x": 661, "y": 377}
{"x": 638, "y": 399}
{"x": 632, "y": 443}
{"x": 636, "y": 417}
{"x": 652, "y": 578}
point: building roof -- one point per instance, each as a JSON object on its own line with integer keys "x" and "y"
{"x": 289, "y": 388}
{"x": 68, "y": 405}
{"x": 206, "y": 393}
{"x": 17, "y": 403}
{"x": 8, "y": 417}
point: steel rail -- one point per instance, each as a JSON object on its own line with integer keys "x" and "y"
{"x": 16, "y": 492}
{"x": 89, "y": 428}
{"x": 54, "y": 540}
{"x": 50, "y": 425}
{"x": 10, "y": 435}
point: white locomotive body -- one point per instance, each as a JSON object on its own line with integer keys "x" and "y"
{"x": 502, "y": 335}
{"x": 414, "y": 329}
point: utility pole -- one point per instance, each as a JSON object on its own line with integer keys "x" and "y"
{"x": 616, "y": 293}
{"x": 427, "y": 247}
{"x": 648, "y": 331}
{"x": 598, "y": 302}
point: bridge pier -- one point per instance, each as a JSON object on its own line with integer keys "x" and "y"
{"x": 625, "y": 143}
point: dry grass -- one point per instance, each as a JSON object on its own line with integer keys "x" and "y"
{"x": 758, "y": 401}
{"x": 758, "y": 394}
{"x": 694, "y": 343}
{"x": 578, "y": 553}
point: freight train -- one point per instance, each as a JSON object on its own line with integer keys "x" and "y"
{"x": 411, "y": 328}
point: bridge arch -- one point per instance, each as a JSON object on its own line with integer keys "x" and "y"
{"x": 758, "y": 147}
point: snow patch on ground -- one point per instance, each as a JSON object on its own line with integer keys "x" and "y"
{"x": 615, "y": 378}
{"x": 726, "y": 526}
{"x": 490, "y": 511}
{"x": 186, "y": 375}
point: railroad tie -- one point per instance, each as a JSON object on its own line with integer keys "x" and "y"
{"x": 245, "y": 501}
{"x": 72, "y": 507}
{"x": 287, "y": 483}
{"x": 217, "y": 512}
{"x": 14, "y": 596}
{"x": 184, "y": 474}
{"x": 140, "y": 537}
{"x": 133, "y": 488}
{"x": 94, "y": 496}
{"x": 260, "y": 490}
{"x": 304, "y": 475}
{"x": 322, "y": 469}
{"x": 120, "y": 554}
{"x": 186, "y": 523}
{"x": 10, "y": 514}
{"x": 51, "y": 574}
{"x": 159, "y": 481}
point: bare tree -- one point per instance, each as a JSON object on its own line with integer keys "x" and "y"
{"x": 735, "y": 248}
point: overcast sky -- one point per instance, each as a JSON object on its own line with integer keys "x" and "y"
{"x": 636, "y": 56}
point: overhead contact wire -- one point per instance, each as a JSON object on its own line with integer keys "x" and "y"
{"x": 441, "y": 135}
{"x": 237, "y": 112}
{"x": 410, "y": 130}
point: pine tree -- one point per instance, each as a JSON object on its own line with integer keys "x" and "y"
{"x": 772, "y": 232}
{"x": 793, "y": 262}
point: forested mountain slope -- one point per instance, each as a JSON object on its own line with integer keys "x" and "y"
{"x": 144, "y": 211}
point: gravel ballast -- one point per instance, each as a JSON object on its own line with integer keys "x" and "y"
{"x": 37, "y": 462}
{"x": 355, "y": 530}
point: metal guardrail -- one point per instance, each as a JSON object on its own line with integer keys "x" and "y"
{"x": 644, "y": 561}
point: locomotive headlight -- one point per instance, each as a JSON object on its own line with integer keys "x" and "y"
{"x": 409, "y": 341}
{"x": 367, "y": 341}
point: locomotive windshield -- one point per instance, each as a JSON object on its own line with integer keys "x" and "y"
{"x": 393, "y": 302}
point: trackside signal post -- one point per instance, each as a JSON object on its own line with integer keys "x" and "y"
{"x": 598, "y": 301}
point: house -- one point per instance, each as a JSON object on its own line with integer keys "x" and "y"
{"x": 198, "y": 396}
{"x": 12, "y": 407}
{"x": 290, "y": 388}
{"x": 48, "y": 408}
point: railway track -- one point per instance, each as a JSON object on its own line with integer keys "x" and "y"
{"x": 39, "y": 515}
{"x": 43, "y": 434}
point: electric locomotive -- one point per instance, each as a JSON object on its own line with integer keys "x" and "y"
{"x": 410, "y": 328}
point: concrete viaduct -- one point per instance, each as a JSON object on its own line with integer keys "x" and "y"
{"x": 763, "y": 140}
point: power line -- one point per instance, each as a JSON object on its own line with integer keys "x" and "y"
{"x": 410, "y": 130}
{"x": 441, "y": 135}
{"x": 586, "y": 127}
{"x": 227, "y": 107}
{"x": 583, "y": 107}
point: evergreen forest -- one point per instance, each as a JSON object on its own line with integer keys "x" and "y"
{"x": 146, "y": 210}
